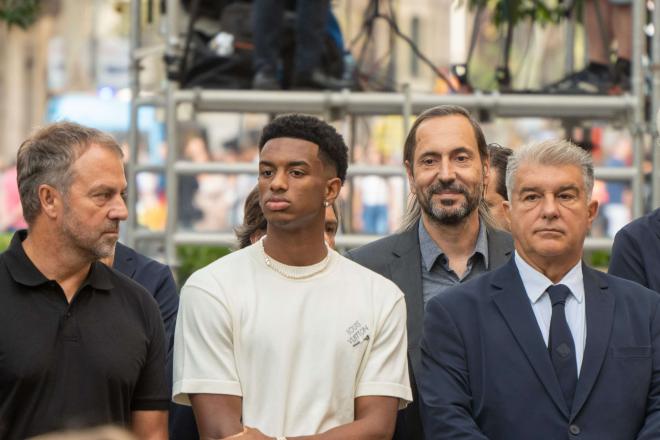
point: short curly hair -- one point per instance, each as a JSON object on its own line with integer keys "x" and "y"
{"x": 332, "y": 148}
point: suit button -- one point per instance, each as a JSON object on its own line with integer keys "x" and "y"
{"x": 574, "y": 429}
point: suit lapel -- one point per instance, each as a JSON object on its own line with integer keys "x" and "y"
{"x": 405, "y": 269}
{"x": 124, "y": 260}
{"x": 500, "y": 246}
{"x": 600, "y": 316}
{"x": 512, "y": 301}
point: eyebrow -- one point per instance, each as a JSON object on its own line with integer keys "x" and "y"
{"x": 295, "y": 163}
{"x": 569, "y": 187}
{"x": 453, "y": 151}
{"x": 560, "y": 189}
{"x": 104, "y": 187}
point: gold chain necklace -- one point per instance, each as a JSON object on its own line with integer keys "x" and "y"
{"x": 280, "y": 267}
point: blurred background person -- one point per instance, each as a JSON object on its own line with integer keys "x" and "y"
{"x": 606, "y": 22}
{"x": 311, "y": 24}
{"x": 496, "y": 187}
{"x": 11, "y": 212}
{"x": 193, "y": 149}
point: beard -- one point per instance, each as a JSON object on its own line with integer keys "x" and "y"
{"x": 88, "y": 241}
{"x": 448, "y": 213}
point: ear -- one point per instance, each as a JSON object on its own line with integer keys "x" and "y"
{"x": 411, "y": 177}
{"x": 592, "y": 211}
{"x": 486, "y": 174}
{"x": 507, "y": 211}
{"x": 50, "y": 200}
{"x": 332, "y": 188}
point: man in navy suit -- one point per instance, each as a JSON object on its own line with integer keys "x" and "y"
{"x": 636, "y": 251}
{"x": 156, "y": 278}
{"x": 544, "y": 347}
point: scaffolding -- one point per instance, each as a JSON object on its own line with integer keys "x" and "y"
{"x": 628, "y": 109}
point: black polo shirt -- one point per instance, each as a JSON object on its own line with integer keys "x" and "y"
{"x": 90, "y": 362}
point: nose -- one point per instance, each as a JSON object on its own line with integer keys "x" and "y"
{"x": 446, "y": 172}
{"x": 118, "y": 211}
{"x": 550, "y": 206}
{"x": 279, "y": 182}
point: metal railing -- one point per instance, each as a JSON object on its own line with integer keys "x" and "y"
{"x": 628, "y": 109}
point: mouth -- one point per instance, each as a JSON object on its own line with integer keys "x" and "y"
{"x": 113, "y": 230}
{"x": 277, "y": 204}
{"x": 549, "y": 231}
{"x": 447, "y": 190}
{"x": 448, "y": 193}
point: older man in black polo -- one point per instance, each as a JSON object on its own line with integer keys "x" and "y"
{"x": 80, "y": 344}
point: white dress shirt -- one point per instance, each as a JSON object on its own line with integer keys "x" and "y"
{"x": 536, "y": 284}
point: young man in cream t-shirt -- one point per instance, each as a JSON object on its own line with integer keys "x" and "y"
{"x": 286, "y": 338}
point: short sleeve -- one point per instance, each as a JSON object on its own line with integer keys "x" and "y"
{"x": 204, "y": 359}
{"x": 152, "y": 388}
{"x": 385, "y": 368}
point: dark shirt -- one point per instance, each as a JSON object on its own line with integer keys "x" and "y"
{"x": 68, "y": 365}
{"x": 437, "y": 276}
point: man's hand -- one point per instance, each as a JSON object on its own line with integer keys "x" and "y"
{"x": 250, "y": 434}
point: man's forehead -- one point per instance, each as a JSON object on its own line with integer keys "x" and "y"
{"x": 286, "y": 150}
{"x": 452, "y": 131}
{"x": 99, "y": 165}
{"x": 547, "y": 176}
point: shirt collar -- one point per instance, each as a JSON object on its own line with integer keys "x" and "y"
{"x": 536, "y": 283}
{"x": 23, "y": 271}
{"x": 431, "y": 251}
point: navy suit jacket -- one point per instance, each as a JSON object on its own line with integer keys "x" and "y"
{"x": 398, "y": 258}
{"x": 157, "y": 279}
{"x": 636, "y": 251}
{"x": 486, "y": 372}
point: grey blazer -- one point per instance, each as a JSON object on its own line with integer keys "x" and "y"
{"x": 398, "y": 258}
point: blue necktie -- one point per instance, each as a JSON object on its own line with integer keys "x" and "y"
{"x": 560, "y": 343}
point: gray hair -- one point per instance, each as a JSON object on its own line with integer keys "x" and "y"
{"x": 46, "y": 157}
{"x": 555, "y": 152}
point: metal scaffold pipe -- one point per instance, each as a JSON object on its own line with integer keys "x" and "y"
{"x": 133, "y": 131}
{"x": 376, "y": 103}
{"x": 194, "y": 168}
{"x": 655, "y": 119}
{"x": 637, "y": 83}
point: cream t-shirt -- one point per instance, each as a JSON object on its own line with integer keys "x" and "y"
{"x": 298, "y": 351}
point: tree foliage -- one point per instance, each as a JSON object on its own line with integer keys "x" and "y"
{"x": 21, "y": 13}
{"x": 511, "y": 12}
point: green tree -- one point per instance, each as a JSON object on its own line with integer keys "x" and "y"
{"x": 21, "y": 13}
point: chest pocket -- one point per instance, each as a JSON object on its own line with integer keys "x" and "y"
{"x": 631, "y": 352}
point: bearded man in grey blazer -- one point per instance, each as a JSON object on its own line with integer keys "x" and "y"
{"x": 447, "y": 237}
